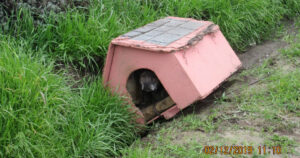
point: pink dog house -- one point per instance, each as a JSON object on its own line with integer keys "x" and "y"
{"x": 190, "y": 58}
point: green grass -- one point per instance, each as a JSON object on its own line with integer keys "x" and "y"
{"x": 42, "y": 116}
{"x": 78, "y": 35}
{"x": 193, "y": 122}
{"x": 294, "y": 51}
{"x": 281, "y": 94}
{"x": 166, "y": 150}
{"x": 275, "y": 98}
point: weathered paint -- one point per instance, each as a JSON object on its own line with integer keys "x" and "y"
{"x": 190, "y": 67}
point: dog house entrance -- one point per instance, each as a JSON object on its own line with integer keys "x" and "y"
{"x": 147, "y": 93}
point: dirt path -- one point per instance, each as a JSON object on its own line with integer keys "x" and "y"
{"x": 225, "y": 119}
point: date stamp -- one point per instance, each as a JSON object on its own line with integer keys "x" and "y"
{"x": 241, "y": 150}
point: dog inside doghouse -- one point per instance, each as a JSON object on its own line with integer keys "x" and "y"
{"x": 147, "y": 93}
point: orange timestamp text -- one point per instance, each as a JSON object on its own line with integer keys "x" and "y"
{"x": 240, "y": 150}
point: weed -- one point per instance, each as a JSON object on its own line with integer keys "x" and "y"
{"x": 141, "y": 152}
{"x": 222, "y": 99}
{"x": 209, "y": 124}
{"x": 293, "y": 52}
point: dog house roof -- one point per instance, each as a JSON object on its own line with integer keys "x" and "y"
{"x": 166, "y": 35}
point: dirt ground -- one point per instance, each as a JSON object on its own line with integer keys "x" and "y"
{"x": 221, "y": 120}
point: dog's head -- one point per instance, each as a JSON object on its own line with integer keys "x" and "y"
{"x": 148, "y": 81}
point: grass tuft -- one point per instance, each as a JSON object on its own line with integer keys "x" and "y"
{"x": 293, "y": 52}
{"x": 41, "y": 116}
{"x": 82, "y": 35}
